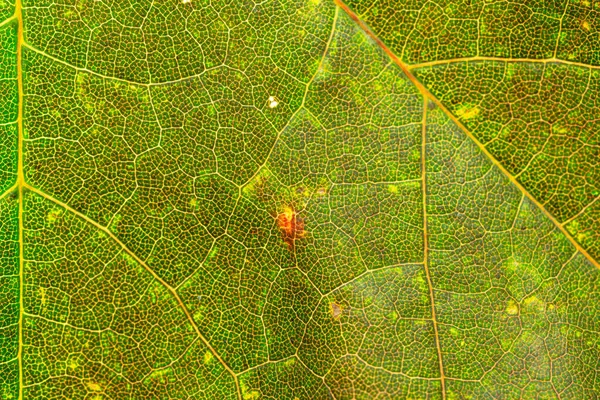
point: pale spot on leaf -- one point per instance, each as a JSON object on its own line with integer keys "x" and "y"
{"x": 42, "y": 292}
{"x": 534, "y": 303}
{"x": 512, "y": 308}
{"x": 273, "y": 102}
{"x": 336, "y": 310}
{"x": 468, "y": 112}
{"x": 252, "y": 395}
{"x": 94, "y": 386}
{"x": 53, "y": 215}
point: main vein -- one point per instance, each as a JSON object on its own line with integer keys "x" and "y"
{"x": 20, "y": 181}
{"x": 21, "y": 185}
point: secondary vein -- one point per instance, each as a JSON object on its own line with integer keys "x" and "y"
{"x": 425, "y": 92}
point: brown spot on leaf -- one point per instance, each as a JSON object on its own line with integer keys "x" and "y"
{"x": 336, "y": 310}
{"x": 292, "y": 227}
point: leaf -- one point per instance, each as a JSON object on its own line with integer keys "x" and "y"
{"x": 279, "y": 201}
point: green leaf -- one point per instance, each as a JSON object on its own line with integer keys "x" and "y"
{"x": 299, "y": 200}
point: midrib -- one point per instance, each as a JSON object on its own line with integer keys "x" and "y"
{"x": 20, "y": 182}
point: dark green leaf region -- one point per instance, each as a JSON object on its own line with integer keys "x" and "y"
{"x": 299, "y": 199}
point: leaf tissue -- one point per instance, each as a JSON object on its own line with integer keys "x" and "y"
{"x": 299, "y": 199}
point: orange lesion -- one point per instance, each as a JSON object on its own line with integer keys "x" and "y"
{"x": 292, "y": 226}
{"x": 585, "y": 25}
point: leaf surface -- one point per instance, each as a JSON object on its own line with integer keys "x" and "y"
{"x": 279, "y": 201}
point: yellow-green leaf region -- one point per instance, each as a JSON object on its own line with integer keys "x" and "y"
{"x": 299, "y": 199}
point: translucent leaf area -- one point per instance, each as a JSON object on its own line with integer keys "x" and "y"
{"x": 294, "y": 199}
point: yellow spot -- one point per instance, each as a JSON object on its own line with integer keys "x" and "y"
{"x": 42, "y": 295}
{"x": 251, "y": 395}
{"x": 559, "y": 129}
{"x": 302, "y": 191}
{"x": 80, "y": 78}
{"x": 316, "y": 2}
{"x": 530, "y": 300}
{"x": 511, "y": 265}
{"x": 214, "y": 252}
{"x": 94, "y": 386}
{"x": 257, "y": 182}
{"x": 129, "y": 260}
{"x": 193, "y": 203}
{"x": 534, "y": 302}
{"x": 53, "y": 216}
{"x": 160, "y": 372}
{"x": 582, "y": 237}
{"x": 392, "y": 188}
{"x": 208, "y": 357}
{"x": 468, "y": 112}
{"x": 512, "y": 308}
{"x": 585, "y": 25}
{"x": 186, "y": 1}
{"x": 73, "y": 364}
{"x": 290, "y": 362}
